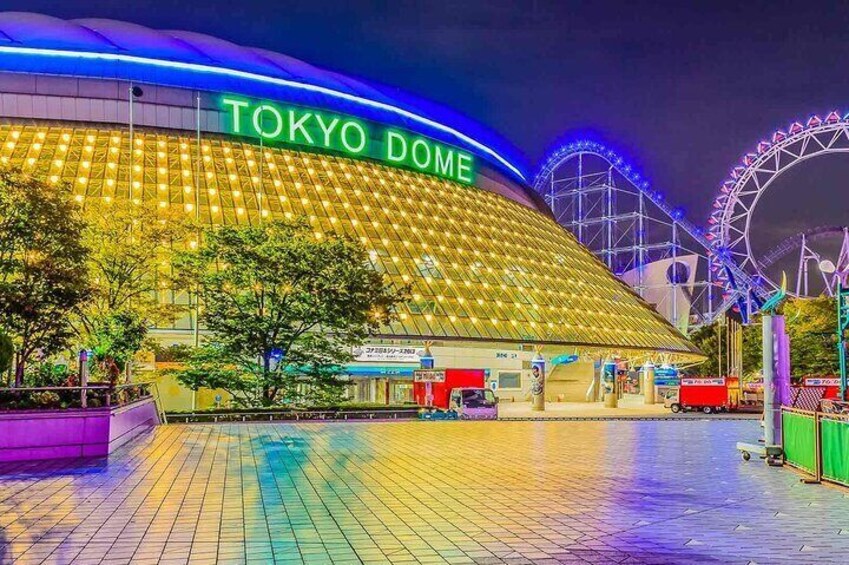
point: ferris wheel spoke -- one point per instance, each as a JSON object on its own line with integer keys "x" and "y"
{"x": 737, "y": 217}
{"x": 737, "y": 241}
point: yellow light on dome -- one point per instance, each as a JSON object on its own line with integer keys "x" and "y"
{"x": 189, "y": 206}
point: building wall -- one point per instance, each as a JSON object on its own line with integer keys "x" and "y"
{"x": 481, "y": 266}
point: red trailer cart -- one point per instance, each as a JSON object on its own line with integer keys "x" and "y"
{"x": 711, "y": 394}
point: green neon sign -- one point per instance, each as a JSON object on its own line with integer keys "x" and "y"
{"x": 307, "y": 127}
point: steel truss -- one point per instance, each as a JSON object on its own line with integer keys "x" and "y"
{"x": 612, "y": 211}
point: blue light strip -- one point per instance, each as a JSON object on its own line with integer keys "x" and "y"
{"x": 195, "y": 67}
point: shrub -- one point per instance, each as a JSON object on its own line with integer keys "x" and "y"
{"x": 46, "y": 399}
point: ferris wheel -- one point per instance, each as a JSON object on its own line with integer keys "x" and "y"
{"x": 730, "y": 227}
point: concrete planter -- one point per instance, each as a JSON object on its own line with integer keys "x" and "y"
{"x": 28, "y": 435}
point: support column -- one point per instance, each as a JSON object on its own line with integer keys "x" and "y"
{"x": 648, "y": 383}
{"x": 538, "y": 382}
{"x": 426, "y": 361}
{"x": 372, "y": 390}
{"x": 611, "y": 398}
{"x": 769, "y": 386}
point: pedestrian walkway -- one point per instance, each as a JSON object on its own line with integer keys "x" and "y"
{"x": 423, "y": 492}
{"x": 630, "y": 407}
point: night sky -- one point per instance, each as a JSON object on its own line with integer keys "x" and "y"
{"x": 681, "y": 90}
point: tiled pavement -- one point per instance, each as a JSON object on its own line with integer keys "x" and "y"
{"x": 424, "y": 492}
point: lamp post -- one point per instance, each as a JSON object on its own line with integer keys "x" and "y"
{"x": 841, "y": 294}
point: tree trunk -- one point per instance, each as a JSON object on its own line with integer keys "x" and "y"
{"x": 19, "y": 370}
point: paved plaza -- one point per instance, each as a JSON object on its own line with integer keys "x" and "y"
{"x": 424, "y": 492}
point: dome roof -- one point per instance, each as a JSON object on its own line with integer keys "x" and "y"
{"x": 114, "y": 49}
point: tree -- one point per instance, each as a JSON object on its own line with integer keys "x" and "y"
{"x": 42, "y": 265}
{"x": 116, "y": 338}
{"x": 129, "y": 263}
{"x": 811, "y": 326}
{"x": 810, "y": 323}
{"x": 283, "y": 308}
{"x": 7, "y": 352}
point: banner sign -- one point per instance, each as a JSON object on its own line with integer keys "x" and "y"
{"x": 308, "y": 127}
{"x": 385, "y": 372}
{"x": 718, "y": 381}
{"x": 429, "y": 376}
{"x": 385, "y": 353}
{"x": 667, "y": 382}
{"x": 822, "y": 381}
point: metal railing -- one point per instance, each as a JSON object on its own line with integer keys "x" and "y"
{"x": 63, "y": 397}
{"x": 815, "y": 442}
{"x": 294, "y": 415}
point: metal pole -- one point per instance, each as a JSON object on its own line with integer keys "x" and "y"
{"x": 132, "y": 146}
{"x": 580, "y": 197}
{"x": 719, "y": 345}
{"x": 198, "y": 157}
{"x": 610, "y": 243}
{"x": 841, "y": 334}
{"x": 675, "y": 274}
{"x": 709, "y": 290}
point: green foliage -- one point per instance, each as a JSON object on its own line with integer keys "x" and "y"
{"x": 45, "y": 399}
{"x": 130, "y": 254}
{"x": 812, "y": 327}
{"x": 706, "y": 338}
{"x": 811, "y": 324}
{"x": 283, "y": 309}
{"x": 42, "y": 265}
{"x": 130, "y": 259}
{"x": 174, "y": 353}
{"x": 47, "y": 374}
{"x": 115, "y": 339}
{"x": 7, "y": 352}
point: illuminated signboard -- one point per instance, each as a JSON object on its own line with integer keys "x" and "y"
{"x": 387, "y": 353}
{"x": 429, "y": 376}
{"x": 306, "y": 127}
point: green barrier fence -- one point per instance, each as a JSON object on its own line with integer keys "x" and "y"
{"x": 799, "y": 438}
{"x": 835, "y": 449}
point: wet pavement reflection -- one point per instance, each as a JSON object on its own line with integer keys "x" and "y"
{"x": 423, "y": 492}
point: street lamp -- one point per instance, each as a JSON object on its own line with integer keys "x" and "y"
{"x": 828, "y": 267}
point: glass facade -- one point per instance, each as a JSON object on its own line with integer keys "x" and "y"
{"x": 481, "y": 266}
